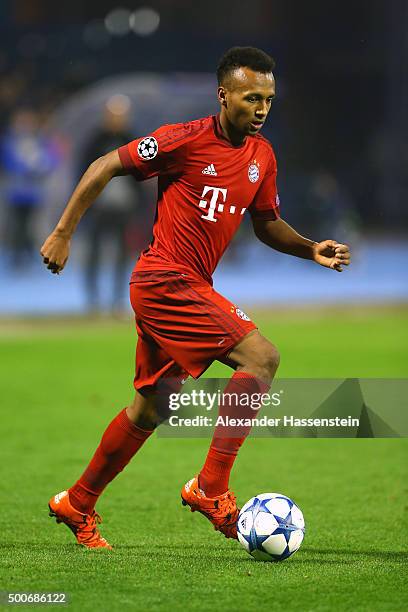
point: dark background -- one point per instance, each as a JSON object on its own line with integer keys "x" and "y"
{"x": 341, "y": 74}
{"x": 339, "y": 127}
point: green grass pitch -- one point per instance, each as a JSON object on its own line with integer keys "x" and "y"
{"x": 63, "y": 380}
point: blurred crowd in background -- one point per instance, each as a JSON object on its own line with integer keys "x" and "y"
{"x": 79, "y": 79}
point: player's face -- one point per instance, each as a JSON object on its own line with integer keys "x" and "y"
{"x": 246, "y": 99}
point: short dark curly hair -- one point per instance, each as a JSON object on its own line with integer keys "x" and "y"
{"x": 249, "y": 57}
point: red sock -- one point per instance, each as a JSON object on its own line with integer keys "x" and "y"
{"x": 121, "y": 440}
{"x": 226, "y": 442}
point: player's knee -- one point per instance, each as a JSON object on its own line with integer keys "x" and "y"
{"x": 272, "y": 358}
{"x": 142, "y": 412}
{"x": 262, "y": 360}
{"x": 268, "y": 360}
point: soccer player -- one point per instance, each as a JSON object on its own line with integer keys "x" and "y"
{"x": 210, "y": 171}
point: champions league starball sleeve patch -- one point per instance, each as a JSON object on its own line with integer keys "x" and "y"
{"x": 147, "y": 148}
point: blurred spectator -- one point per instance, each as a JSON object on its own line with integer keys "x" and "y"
{"x": 27, "y": 157}
{"x": 330, "y": 208}
{"x": 109, "y": 219}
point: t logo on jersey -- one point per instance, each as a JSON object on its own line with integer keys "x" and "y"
{"x": 218, "y": 193}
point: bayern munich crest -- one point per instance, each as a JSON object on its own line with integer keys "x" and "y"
{"x": 253, "y": 172}
{"x": 147, "y": 148}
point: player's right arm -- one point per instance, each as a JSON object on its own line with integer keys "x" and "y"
{"x": 162, "y": 152}
{"x": 55, "y": 249}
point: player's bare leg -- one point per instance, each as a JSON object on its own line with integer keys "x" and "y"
{"x": 255, "y": 361}
{"x": 143, "y": 411}
{"x": 256, "y": 356}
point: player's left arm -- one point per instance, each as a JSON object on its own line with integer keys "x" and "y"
{"x": 280, "y": 236}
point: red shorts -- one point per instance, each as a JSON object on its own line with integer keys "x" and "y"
{"x": 183, "y": 325}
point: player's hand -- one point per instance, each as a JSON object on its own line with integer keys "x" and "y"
{"x": 331, "y": 254}
{"x": 55, "y": 252}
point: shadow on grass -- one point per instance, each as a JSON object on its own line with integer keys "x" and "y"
{"x": 212, "y": 552}
{"x": 307, "y": 555}
{"x": 383, "y": 555}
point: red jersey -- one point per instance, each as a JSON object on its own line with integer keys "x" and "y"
{"x": 205, "y": 186}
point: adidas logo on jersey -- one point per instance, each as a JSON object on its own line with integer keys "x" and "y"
{"x": 210, "y": 170}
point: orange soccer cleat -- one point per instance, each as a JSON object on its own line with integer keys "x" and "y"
{"x": 221, "y": 510}
{"x": 83, "y": 526}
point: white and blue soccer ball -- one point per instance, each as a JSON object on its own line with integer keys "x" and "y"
{"x": 270, "y": 527}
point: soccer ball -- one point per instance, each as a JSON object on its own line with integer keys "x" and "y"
{"x": 270, "y": 527}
